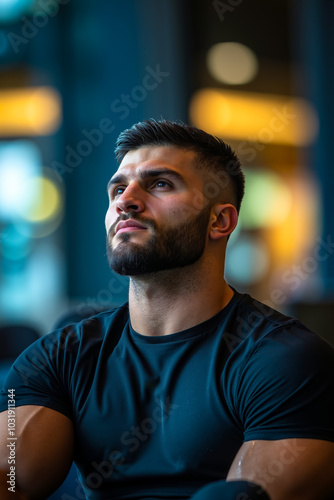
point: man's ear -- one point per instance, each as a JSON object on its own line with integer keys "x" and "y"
{"x": 224, "y": 218}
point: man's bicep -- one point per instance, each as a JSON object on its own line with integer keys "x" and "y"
{"x": 40, "y": 448}
{"x": 288, "y": 469}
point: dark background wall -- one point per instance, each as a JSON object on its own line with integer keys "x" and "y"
{"x": 114, "y": 63}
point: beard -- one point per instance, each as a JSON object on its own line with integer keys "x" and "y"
{"x": 169, "y": 248}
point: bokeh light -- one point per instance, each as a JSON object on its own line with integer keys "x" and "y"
{"x": 255, "y": 117}
{"x": 232, "y": 63}
{"x": 12, "y": 10}
{"x": 267, "y": 202}
{"x": 46, "y": 204}
{"x": 29, "y": 111}
{"x": 19, "y": 161}
{"x": 16, "y": 245}
{"x": 247, "y": 260}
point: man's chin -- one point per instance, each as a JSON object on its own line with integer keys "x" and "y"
{"x": 128, "y": 259}
{"x": 126, "y": 246}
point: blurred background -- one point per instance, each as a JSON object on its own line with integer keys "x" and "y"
{"x": 75, "y": 73}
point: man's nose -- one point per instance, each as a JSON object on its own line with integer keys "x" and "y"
{"x": 130, "y": 200}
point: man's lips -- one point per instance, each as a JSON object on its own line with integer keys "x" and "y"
{"x": 128, "y": 225}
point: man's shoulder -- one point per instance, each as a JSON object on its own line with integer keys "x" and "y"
{"x": 79, "y": 331}
{"x": 256, "y": 311}
{"x": 252, "y": 314}
{"x": 81, "y": 316}
{"x": 257, "y": 323}
{"x": 73, "y": 345}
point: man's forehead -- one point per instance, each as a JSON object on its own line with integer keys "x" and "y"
{"x": 153, "y": 155}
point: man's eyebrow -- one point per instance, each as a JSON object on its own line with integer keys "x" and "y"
{"x": 145, "y": 174}
{"x": 117, "y": 179}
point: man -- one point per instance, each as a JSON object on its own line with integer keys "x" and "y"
{"x": 190, "y": 383}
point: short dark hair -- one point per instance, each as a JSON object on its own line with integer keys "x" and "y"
{"x": 212, "y": 152}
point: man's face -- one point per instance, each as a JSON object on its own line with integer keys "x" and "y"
{"x": 156, "y": 218}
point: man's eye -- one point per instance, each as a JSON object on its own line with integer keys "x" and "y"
{"x": 118, "y": 191}
{"x": 160, "y": 183}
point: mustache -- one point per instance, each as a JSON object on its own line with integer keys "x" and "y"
{"x": 146, "y": 221}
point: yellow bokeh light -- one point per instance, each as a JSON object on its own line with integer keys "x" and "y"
{"x": 29, "y": 111}
{"x": 48, "y": 202}
{"x": 232, "y": 63}
{"x": 291, "y": 239}
{"x": 254, "y": 117}
{"x": 267, "y": 202}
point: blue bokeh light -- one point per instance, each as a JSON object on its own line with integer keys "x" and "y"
{"x": 19, "y": 162}
{"x": 12, "y": 10}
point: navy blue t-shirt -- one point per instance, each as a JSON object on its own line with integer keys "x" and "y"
{"x": 162, "y": 416}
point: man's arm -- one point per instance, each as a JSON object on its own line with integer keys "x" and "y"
{"x": 288, "y": 469}
{"x": 42, "y": 450}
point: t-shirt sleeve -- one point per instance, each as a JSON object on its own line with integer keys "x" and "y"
{"x": 38, "y": 375}
{"x": 286, "y": 387}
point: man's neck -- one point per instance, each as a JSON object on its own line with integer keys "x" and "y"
{"x": 171, "y": 301}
